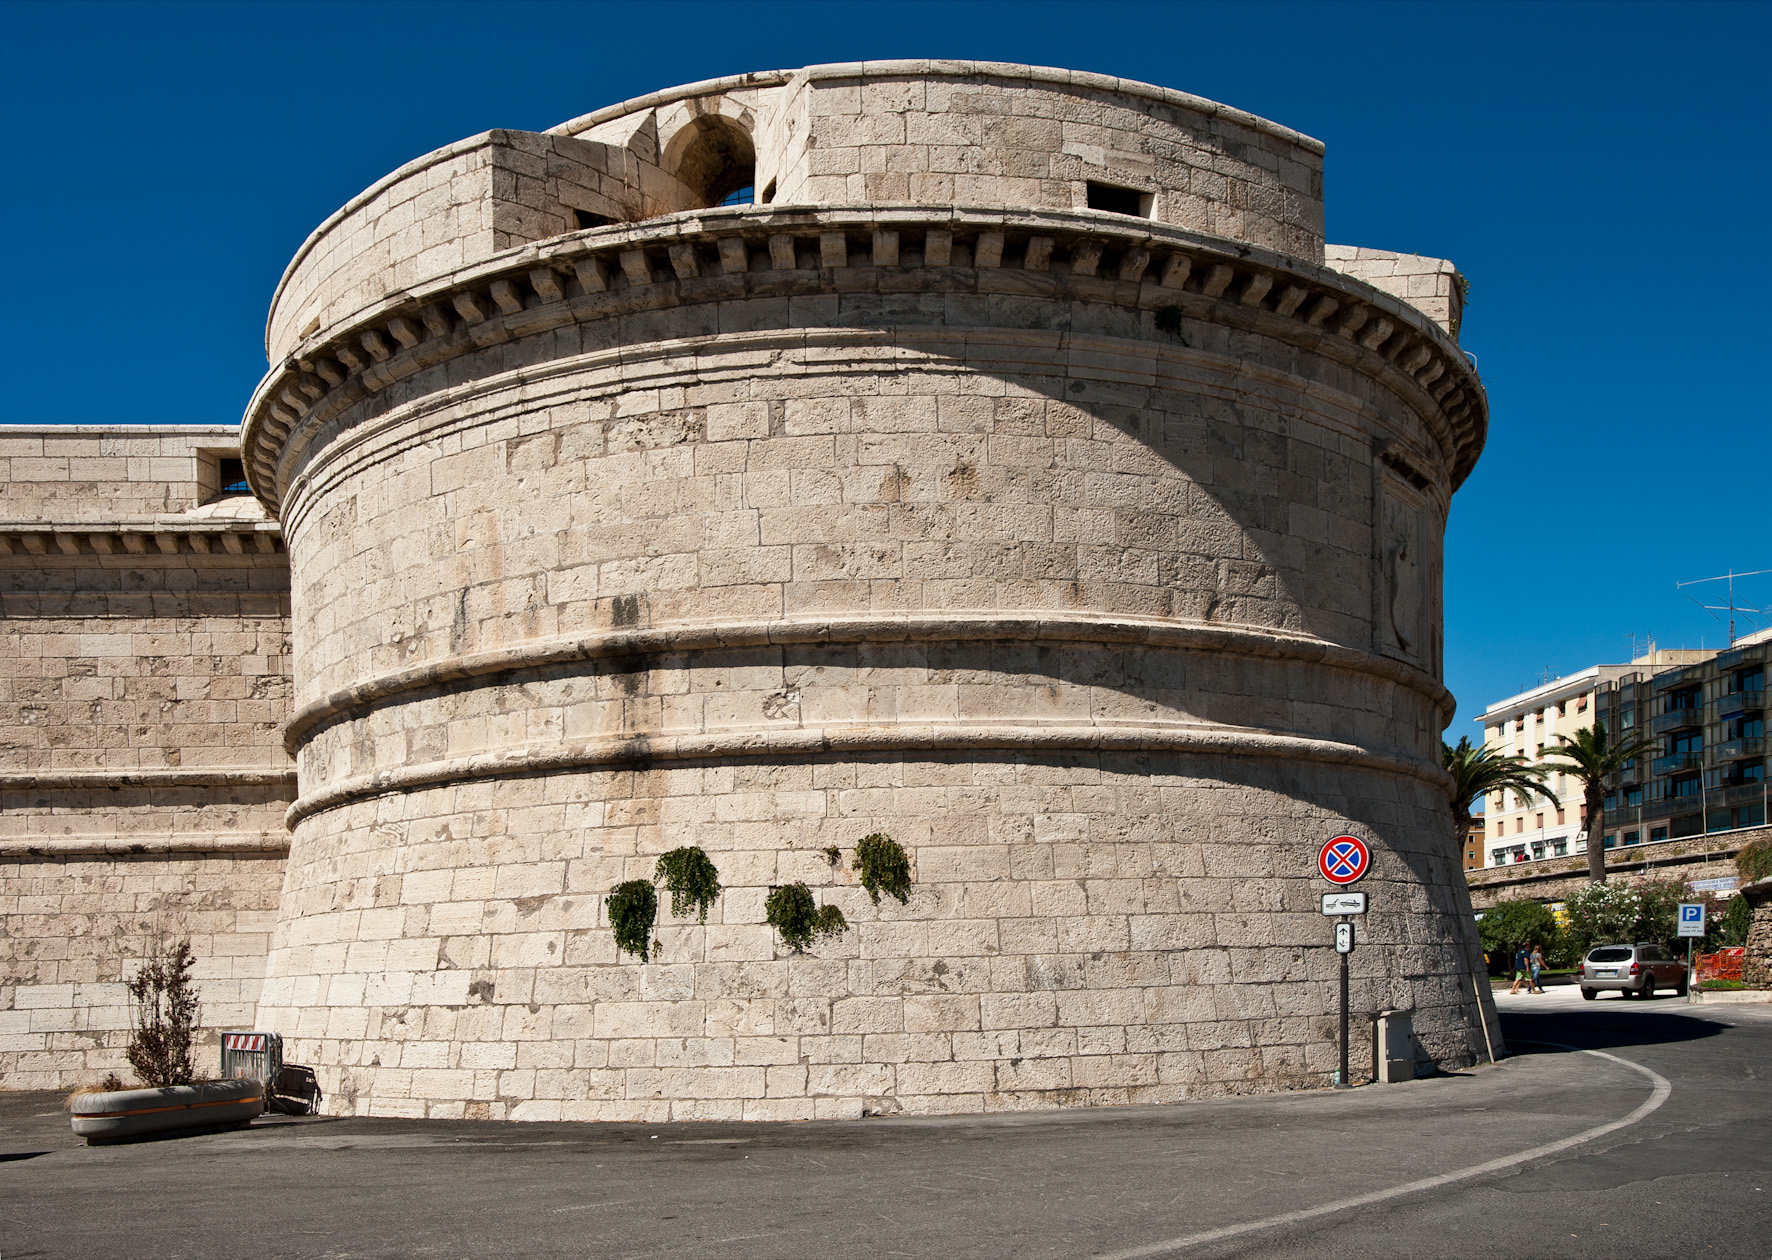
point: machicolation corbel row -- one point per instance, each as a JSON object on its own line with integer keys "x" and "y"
{"x": 988, "y": 466}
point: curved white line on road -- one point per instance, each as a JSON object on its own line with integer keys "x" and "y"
{"x": 1658, "y": 1096}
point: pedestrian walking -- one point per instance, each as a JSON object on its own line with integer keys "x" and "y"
{"x": 1522, "y": 970}
{"x": 1536, "y": 963}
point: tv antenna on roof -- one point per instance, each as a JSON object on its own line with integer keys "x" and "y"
{"x": 1732, "y": 606}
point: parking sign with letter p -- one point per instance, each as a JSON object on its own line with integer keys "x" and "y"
{"x": 1691, "y": 918}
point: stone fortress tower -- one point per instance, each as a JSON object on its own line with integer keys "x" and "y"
{"x": 1020, "y": 476}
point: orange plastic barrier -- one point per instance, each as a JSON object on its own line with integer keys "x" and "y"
{"x": 1725, "y": 964}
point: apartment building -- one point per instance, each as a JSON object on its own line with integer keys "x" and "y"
{"x": 1528, "y": 725}
{"x": 1708, "y": 772}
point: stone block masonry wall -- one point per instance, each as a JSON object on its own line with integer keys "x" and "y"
{"x": 75, "y": 928}
{"x": 104, "y": 474}
{"x": 1432, "y": 286}
{"x": 1007, "y": 136}
{"x": 144, "y": 681}
{"x": 1082, "y": 930}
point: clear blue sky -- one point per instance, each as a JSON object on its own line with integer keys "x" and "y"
{"x": 1599, "y": 171}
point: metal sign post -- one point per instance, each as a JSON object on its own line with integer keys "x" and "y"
{"x": 1691, "y": 925}
{"x": 1344, "y": 945}
{"x": 1341, "y": 861}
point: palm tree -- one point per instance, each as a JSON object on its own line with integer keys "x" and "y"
{"x": 1592, "y": 758}
{"x": 1478, "y": 770}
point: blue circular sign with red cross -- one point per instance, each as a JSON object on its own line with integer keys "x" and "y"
{"x": 1344, "y": 859}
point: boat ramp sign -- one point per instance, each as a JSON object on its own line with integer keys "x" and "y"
{"x": 1343, "y": 859}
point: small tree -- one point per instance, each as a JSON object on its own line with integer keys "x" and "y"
{"x": 1513, "y": 924}
{"x": 165, "y": 1007}
{"x": 1592, "y": 758}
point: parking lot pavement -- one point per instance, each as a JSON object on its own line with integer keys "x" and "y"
{"x": 1688, "y": 1175}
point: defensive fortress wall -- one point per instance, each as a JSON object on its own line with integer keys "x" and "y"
{"x": 1019, "y": 476}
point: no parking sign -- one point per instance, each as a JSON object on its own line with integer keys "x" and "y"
{"x": 1343, "y": 859}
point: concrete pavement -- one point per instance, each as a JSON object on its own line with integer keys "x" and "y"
{"x": 1690, "y": 1174}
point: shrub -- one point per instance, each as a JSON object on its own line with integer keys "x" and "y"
{"x": 692, "y": 879}
{"x": 1516, "y": 924}
{"x": 633, "y": 909}
{"x": 1731, "y": 926}
{"x": 1755, "y": 861}
{"x": 164, "y": 1003}
{"x": 884, "y": 867}
{"x": 791, "y": 911}
{"x": 1602, "y": 913}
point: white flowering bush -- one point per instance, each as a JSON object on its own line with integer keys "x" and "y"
{"x": 1603, "y": 914}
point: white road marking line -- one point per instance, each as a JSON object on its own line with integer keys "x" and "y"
{"x": 1658, "y": 1096}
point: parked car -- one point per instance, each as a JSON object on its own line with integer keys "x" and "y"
{"x": 1632, "y": 970}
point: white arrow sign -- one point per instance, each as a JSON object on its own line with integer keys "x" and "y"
{"x": 1344, "y": 903}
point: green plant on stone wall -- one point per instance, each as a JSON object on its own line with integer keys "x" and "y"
{"x": 791, "y": 911}
{"x": 1754, "y": 861}
{"x": 884, "y": 868}
{"x": 633, "y": 909}
{"x": 833, "y": 854}
{"x": 692, "y": 879}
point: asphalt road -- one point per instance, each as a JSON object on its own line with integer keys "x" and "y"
{"x": 1682, "y": 1167}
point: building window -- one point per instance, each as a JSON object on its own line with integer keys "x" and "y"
{"x": 1116, "y": 200}
{"x": 1632, "y": 837}
{"x": 1610, "y": 842}
{"x": 1633, "y": 796}
{"x": 1559, "y": 848}
{"x": 1520, "y": 824}
{"x": 1581, "y": 705}
{"x": 1657, "y": 833}
{"x": 1496, "y": 855}
{"x": 1540, "y": 826}
{"x": 1561, "y": 817}
{"x": 1627, "y": 716}
{"x": 1562, "y": 708}
{"x": 1751, "y": 771}
{"x": 1684, "y": 786}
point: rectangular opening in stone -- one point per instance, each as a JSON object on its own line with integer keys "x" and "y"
{"x": 1117, "y": 200}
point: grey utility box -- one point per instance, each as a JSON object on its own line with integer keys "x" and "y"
{"x": 1393, "y": 1047}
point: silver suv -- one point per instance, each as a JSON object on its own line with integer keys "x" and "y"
{"x": 1633, "y": 970}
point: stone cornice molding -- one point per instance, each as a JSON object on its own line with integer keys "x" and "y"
{"x": 897, "y": 739}
{"x": 985, "y": 627}
{"x": 137, "y": 541}
{"x": 148, "y": 777}
{"x": 246, "y": 845}
{"x": 720, "y": 256}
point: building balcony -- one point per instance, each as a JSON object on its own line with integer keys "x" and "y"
{"x": 1739, "y": 656}
{"x": 1677, "y": 763}
{"x": 1740, "y": 702}
{"x": 1735, "y": 749}
{"x": 1677, "y": 678}
{"x": 1677, "y": 719}
{"x": 1738, "y": 794}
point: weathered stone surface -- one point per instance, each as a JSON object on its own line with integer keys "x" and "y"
{"x": 1093, "y": 556}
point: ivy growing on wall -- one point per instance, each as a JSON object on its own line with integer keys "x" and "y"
{"x": 692, "y": 879}
{"x": 633, "y": 909}
{"x": 791, "y": 911}
{"x": 884, "y": 868}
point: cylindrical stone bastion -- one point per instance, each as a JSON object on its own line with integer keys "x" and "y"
{"x": 1011, "y": 476}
